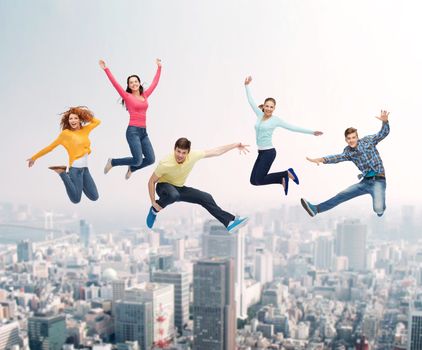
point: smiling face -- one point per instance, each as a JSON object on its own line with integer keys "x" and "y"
{"x": 268, "y": 108}
{"x": 74, "y": 121}
{"x": 352, "y": 139}
{"x": 133, "y": 83}
{"x": 180, "y": 154}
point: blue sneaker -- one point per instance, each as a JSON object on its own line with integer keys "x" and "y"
{"x": 152, "y": 215}
{"x": 237, "y": 223}
{"x": 295, "y": 178}
{"x": 310, "y": 208}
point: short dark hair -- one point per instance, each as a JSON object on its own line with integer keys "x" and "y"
{"x": 182, "y": 143}
{"x": 349, "y": 131}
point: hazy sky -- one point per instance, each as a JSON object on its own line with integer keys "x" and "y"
{"x": 329, "y": 64}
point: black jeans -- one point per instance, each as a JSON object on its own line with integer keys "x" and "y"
{"x": 259, "y": 175}
{"x": 170, "y": 194}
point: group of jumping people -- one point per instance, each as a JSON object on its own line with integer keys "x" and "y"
{"x": 169, "y": 177}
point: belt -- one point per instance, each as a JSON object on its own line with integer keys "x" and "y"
{"x": 376, "y": 177}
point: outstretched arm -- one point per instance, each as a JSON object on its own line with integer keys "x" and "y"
{"x": 336, "y": 158}
{"x": 294, "y": 128}
{"x": 218, "y": 151}
{"x": 154, "y": 83}
{"x": 385, "y": 129}
{"x": 113, "y": 81}
{"x": 151, "y": 189}
{"x": 251, "y": 101}
{"x": 44, "y": 151}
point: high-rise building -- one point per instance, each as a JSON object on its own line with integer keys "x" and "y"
{"x": 179, "y": 248}
{"x": 25, "y": 251}
{"x": 217, "y": 243}
{"x": 160, "y": 262}
{"x": 180, "y": 281}
{"x": 161, "y": 296}
{"x": 351, "y": 242}
{"x": 46, "y": 332}
{"x": 324, "y": 253}
{"x": 118, "y": 289}
{"x": 9, "y": 335}
{"x": 134, "y": 322}
{"x": 263, "y": 266}
{"x": 85, "y": 232}
{"x": 414, "y": 338}
{"x": 214, "y": 310}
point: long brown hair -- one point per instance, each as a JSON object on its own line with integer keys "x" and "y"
{"x": 84, "y": 114}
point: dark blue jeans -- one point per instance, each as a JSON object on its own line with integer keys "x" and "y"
{"x": 169, "y": 194}
{"x": 79, "y": 180}
{"x": 373, "y": 186}
{"x": 259, "y": 175}
{"x": 140, "y": 147}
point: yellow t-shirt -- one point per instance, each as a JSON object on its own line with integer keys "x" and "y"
{"x": 168, "y": 170}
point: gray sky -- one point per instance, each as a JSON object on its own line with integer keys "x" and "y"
{"x": 329, "y": 64}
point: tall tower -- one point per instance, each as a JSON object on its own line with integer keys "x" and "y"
{"x": 214, "y": 309}
{"x": 25, "y": 251}
{"x": 217, "y": 243}
{"x": 263, "y": 266}
{"x": 46, "y": 332}
{"x": 85, "y": 232}
{"x": 414, "y": 338}
{"x": 324, "y": 253}
{"x": 351, "y": 242}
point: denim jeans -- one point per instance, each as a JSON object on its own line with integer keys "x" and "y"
{"x": 78, "y": 180}
{"x": 259, "y": 175}
{"x": 373, "y": 186}
{"x": 169, "y": 194}
{"x": 140, "y": 147}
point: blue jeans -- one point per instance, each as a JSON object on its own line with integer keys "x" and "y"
{"x": 259, "y": 175}
{"x": 78, "y": 180}
{"x": 169, "y": 194}
{"x": 140, "y": 147}
{"x": 373, "y": 186}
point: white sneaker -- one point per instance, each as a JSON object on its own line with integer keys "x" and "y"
{"x": 108, "y": 166}
{"x": 128, "y": 173}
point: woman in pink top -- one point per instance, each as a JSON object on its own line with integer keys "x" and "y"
{"x": 136, "y": 101}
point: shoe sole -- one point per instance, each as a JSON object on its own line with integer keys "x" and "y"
{"x": 57, "y": 167}
{"x": 243, "y": 223}
{"x": 295, "y": 177}
{"x": 307, "y": 208}
{"x": 107, "y": 168}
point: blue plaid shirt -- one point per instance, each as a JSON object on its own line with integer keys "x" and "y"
{"x": 365, "y": 155}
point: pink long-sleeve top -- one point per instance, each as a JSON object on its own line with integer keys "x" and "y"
{"x": 136, "y": 107}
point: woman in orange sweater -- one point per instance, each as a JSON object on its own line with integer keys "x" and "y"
{"x": 76, "y": 124}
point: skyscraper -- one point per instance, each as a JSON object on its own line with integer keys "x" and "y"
{"x": 25, "y": 251}
{"x": 46, "y": 332}
{"x": 180, "y": 281}
{"x": 324, "y": 253}
{"x": 133, "y": 322}
{"x": 263, "y": 266}
{"x": 85, "y": 232}
{"x": 414, "y": 339}
{"x": 214, "y": 309}
{"x": 351, "y": 242}
{"x": 9, "y": 335}
{"x": 217, "y": 243}
{"x": 161, "y": 296}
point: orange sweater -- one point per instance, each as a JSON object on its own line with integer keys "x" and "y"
{"x": 76, "y": 142}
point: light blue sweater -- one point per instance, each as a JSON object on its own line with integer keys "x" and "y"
{"x": 264, "y": 128}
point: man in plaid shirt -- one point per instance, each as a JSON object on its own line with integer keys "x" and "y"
{"x": 364, "y": 154}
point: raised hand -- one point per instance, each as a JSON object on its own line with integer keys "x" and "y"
{"x": 248, "y": 80}
{"x": 243, "y": 149}
{"x": 102, "y": 64}
{"x": 158, "y": 61}
{"x": 318, "y": 133}
{"x": 383, "y": 116}
{"x": 30, "y": 162}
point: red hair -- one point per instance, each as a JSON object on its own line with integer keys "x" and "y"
{"x": 84, "y": 114}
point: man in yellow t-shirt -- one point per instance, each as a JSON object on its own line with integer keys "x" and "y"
{"x": 170, "y": 177}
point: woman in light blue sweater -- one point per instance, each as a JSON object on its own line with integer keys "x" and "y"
{"x": 265, "y": 125}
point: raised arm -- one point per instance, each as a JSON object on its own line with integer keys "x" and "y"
{"x": 92, "y": 124}
{"x": 218, "y": 151}
{"x": 113, "y": 81}
{"x": 251, "y": 101}
{"x": 156, "y": 79}
{"x": 44, "y": 151}
{"x": 281, "y": 123}
{"x": 385, "y": 128}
